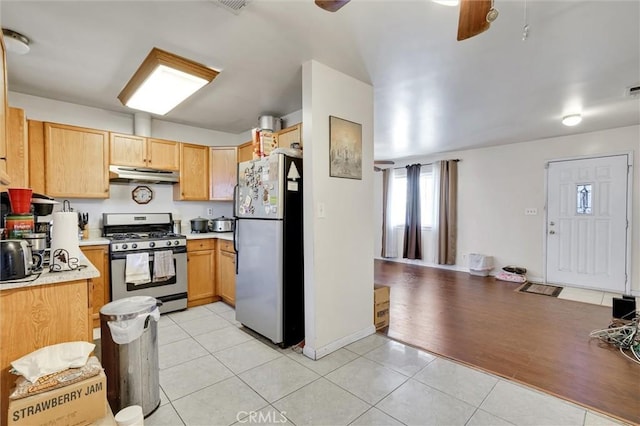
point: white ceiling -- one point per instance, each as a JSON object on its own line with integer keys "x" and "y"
{"x": 432, "y": 93}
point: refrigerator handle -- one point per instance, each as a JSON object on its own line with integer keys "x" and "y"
{"x": 235, "y": 245}
{"x": 235, "y": 199}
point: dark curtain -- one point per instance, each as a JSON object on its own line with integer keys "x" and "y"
{"x": 412, "y": 228}
{"x": 448, "y": 212}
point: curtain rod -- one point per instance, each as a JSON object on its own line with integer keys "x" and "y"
{"x": 457, "y": 160}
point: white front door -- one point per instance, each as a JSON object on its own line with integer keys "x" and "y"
{"x": 587, "y": 223}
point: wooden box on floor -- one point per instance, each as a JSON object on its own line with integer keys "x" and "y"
{"x": 380, "y": 306}
{"x": 80, "y": 403}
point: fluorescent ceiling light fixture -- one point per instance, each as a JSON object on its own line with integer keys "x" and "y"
{"x": 446, "y": 2}
{"x": 571, "y": 120}
{"x": 15, "y": 42}
{"x": 163, "y": 81}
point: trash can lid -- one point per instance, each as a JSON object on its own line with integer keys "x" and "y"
{"x": 129, "y": 307}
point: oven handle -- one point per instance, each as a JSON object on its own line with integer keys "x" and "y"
{"x": 123, "y": 255}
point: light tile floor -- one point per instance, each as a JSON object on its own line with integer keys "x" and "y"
{"x": 215, "y": 372}
{"x": 593, "y": 297}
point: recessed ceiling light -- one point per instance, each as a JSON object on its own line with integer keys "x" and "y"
{"x": 15, "y": 42}
{"x": 571, "y": 120}
{"x": 446, "y": 2}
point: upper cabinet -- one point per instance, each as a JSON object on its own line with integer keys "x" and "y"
{"x": 245, "y": 152}
{"x": 286, "y": 137}
{"x": 224, "y": 172}
{"x": 139, "y": 151}
{"x": 194, "y": 173}
{"x": 4, "y": 176}
{"x": 17, "y": 152}
{"x": 76, "y": 161}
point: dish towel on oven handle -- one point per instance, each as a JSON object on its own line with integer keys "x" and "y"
{"x": 163, "y": 268}
{"x": 136, "y": 270}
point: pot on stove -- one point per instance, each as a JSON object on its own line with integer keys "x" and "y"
{"x": 199, "y": 224}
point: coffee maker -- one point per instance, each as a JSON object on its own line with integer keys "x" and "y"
{"x": 41, "y": 205}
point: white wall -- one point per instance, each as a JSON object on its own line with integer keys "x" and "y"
{"x": 496, "y": 184}
{"x": 338, "y": 261}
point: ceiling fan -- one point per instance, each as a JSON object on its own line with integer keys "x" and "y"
{"x": 475, "y": 15}
{"x": 382, "y": 163}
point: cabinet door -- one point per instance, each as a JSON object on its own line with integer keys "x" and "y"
{"x": 245, "y": 152}
{"x": 227, "y": 281}
{"x": 99, "y": 257}
{"x": 224, "y": 172}
{"x": 17, "y": 153}
{"x": 128, "y": 150}
{"x": 194, "y": 173}
{"x": 163, "y": 155}
{"x": 4, "y": 176}
{"x": 76, "y": 161}
{"x": 201, "y": 276}
{"x": 36, "y": 155}
{"x": 290, "y": 135}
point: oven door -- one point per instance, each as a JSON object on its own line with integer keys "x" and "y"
{"x": 167, "y": 289}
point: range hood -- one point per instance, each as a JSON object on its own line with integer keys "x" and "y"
{"x": 124, "y": 174}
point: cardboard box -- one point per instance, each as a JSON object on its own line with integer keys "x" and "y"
{"x": 78, "y": 404}
{"x": 381, "y": 306}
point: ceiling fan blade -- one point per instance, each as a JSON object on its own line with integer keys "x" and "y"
{"x": 473, "y": 18}
{"x": 383, "y": 162}
{"x": 331, "y": 5}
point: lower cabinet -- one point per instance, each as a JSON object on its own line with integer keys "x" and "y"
{"x": 99, "y": 257}
{"x": 227, "y": 272}
{"x": 201, "y": 272}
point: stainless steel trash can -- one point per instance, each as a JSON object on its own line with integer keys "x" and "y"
{"x": 129, "y": 340}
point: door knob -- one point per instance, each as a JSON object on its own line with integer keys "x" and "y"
{"x": 552, "y": 232}
{"x": 552, "y": 223}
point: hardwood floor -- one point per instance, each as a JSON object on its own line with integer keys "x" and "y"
{"x": 538, "y": 340}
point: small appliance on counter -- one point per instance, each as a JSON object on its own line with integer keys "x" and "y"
{"x": 199, "y": 225}
{"x": 16, "y": 260}
{"x": 221, "y": 224}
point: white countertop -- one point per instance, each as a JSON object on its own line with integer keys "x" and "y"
{"x": 204, "y": 235}
{"x": 86, "y": 271}
{"x": 99, "y": 241}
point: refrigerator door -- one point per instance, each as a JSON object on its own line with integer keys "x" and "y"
{"x": 259, "y": 295}
{"x": 261, "y": 188}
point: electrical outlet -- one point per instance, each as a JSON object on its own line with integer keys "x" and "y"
{"x": 210, "y": 211}
{"x": 530, "y": 211}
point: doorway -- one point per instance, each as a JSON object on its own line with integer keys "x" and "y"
{"x": 588, "y": 208}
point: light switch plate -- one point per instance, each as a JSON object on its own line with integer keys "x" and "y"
{"x": 321, "y": 210}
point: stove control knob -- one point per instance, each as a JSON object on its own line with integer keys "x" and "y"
{"x": 176, "y": 242}
{"x": 168, "y": 243}
{"x": 152, "y": 244}
{"x": 124, "y": 246}
{"x": 134, "y": 245}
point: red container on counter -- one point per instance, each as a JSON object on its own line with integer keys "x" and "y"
{"x": 20, "y": 199}
{"x": 18, "y": 225}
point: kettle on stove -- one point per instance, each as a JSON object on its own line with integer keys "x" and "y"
{"x": 15, "y": 259}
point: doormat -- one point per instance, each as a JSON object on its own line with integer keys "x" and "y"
{"x": 545, "y": 290}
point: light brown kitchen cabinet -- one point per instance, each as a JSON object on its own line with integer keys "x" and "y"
{"x": 245, "y": 152}
{"x": 286, "y": 137}
{"x": 99, "y": 257}
{"x": 36, "y": 155}
{"x": 227, "y": 272}
{"x": 128, "y": 150}
{"x": 76, "y": 161}
{"x": 194, "y": 176}
{"x": 224, "y": 172}
{"x": 139, "y": 151}
{"x": 201, "y": 276}
{"x": 4, "y": 176}
{"x": 17, "y": 153}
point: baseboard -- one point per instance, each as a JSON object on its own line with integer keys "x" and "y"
{"x": 316, "y": 354}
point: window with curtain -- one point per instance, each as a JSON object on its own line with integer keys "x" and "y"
{"x": 399, "y": 197}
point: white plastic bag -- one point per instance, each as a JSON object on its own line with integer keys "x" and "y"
{"x": 127, "y": 331}
{"x": 52, "y": 359}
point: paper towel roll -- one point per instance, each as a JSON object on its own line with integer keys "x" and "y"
{"x": 65, "y": 250}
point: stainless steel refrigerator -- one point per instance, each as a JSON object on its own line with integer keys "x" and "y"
{"x": 268, "y": 240}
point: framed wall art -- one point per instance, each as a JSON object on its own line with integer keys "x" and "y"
{"x": 345, "y": 148}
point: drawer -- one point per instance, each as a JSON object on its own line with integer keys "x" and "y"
{"x": 225, "y": 245}
{"x": 206, "y": 244}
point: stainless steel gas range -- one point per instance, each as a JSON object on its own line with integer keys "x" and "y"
{"x": 147, "y": 258}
